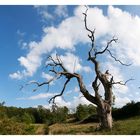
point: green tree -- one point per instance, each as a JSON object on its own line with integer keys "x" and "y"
{"x": 27, "y": 118}
{"x": 81, "y": 112}
{"x": 84, "y": 111}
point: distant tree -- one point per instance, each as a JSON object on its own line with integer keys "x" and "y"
{"x": 91, "y": 109}
{"x": 81, "y": 112}
{"x": 84, "y": 111}
{"x": 2, "y": 104}
{"x": 27, "y": 118}
{"x": 129, "y": 110}
{"x": 59, "y": 114}
{"x": 42, "y": 113}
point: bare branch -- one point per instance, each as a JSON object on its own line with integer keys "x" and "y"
{"x": 57, "y": 76}
{"x": 55, "y": 63}
{"x": 85, "y": 20}
{"x": 117, "y": 59}
{"x": 53, "y": 98}
{"x": 121, "y": 82}
{"x": 91, "y": 36}
{"x": 107, "y": 46}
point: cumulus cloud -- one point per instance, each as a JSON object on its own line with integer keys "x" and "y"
{"x": 71, "y": 31}
{"x": 121, "y": 101}
{"x": 70, "y": 104}
{"x": 60, "y": 101}
{"x": 36, "y": 97}
{"x": 57, "y": 11}
{"x": 43, "y": 11}
{"x": 16, "y": 75}
{"x": 61, "y": 11}
{"x": 66, "y": 37}
{"x": 71, "y": 62}
{"x": 127, "y": 30}
{"x": 46, "y": 76}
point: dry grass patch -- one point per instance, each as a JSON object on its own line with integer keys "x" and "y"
{"x": 72, "y": 128}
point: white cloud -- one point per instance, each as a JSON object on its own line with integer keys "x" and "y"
{"x": 71, "y": 62}
{"x": 121, "y": 101}
{"x": 70, "y": 104}
{"x": 61, "y": 102}
{"x": 40, "y": 96}
{"x": 76, "y": 89}
{"x": 127, "y": 30}
{"x": 61, "y": 11}
{"x": 71, "y": 31}
{"x": 36, "y": 97}
{"x": 46, "y": 76}
{"x": 16, "y": 75}
{"x": 66, "y": 37}
{"x": 58, "y": 11}
{"x": 43, "y": 11}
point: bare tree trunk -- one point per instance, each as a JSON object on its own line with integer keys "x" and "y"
{"x": 105, "y": 116}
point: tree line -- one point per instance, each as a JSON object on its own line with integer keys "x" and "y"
{"x": 34, "y": 115}
{"x": 41, "y": 115}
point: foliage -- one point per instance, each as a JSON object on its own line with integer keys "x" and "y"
{"x": 10, "y": 127}
{"x": 58, "y": 115}
{"x": 129, "y": 110}
{"x": 20, "y": 121}
{"x": 34, "y": 115}
{"x": 83, "y": 111}
{"x": 27, "y": 118}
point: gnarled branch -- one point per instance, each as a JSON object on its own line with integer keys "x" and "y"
{"x": 107, "y": 46}
{"x": 92, "y": 32}
{"x": 53, "y": 98}
{"x": 117, "y": 59}
{"x": 120, "y": 82}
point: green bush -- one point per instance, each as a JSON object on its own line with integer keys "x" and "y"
{"x": 10, "y": 127}
{"x": 83, "y": 111}
{"x": 58, "y": 115}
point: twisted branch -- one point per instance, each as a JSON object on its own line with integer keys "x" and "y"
{"x": 121, "y": 82}
{"x": 107, "y": 46}
{"x": 53, "y": 98}
{"x": 117, "y": 59}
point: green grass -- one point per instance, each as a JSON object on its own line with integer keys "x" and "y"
{"x": 124, "y": 127}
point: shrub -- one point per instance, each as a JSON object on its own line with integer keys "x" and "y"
{"x": 10, "y": 127}
{"x": 83, "y": 111}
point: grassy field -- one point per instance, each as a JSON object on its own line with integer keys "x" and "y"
{"x": 124, "y": 127}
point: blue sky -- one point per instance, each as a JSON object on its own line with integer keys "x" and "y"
{"x": 28, "y": 34}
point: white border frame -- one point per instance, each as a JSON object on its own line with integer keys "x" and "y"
{"x": 69, "y": 2}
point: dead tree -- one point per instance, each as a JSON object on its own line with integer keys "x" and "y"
{"x": 104, "y": 104}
